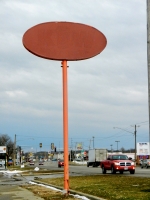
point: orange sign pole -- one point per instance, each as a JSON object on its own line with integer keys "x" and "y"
{"x": 65, "y": 126}
{"x": 50, "y": 33}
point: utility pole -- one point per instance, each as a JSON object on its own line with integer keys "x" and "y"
{"x": 15, "y": 151}
{"x": 93, "y": 142}
{"x": 117, "y": 144}
{"x": 71, "y": 144}
{"x": 135, "y": 142}
{"x": 75, "y": 148}
{"x": 71, "y": 151}
{"x": 90, "y": 145}
{"x": 148, "y": 61}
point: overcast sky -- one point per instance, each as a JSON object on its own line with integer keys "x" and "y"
{"x": 106, "y": 91}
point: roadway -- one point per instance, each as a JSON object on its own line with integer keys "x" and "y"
{"x": 84, "y": 170}
{"x": 80, "y": 170}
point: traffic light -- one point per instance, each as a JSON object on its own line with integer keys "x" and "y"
{"x": 55, "y": 149}
{"x": 40, "y": 145}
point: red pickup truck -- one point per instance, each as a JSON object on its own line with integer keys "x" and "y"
{"x": 117, "y": 162}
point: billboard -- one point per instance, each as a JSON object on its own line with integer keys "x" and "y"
{"x": 2, "y": 149}
{"x": 79, "y": 146}
{"x": 52, "y": 146}
{"x": 142, "y": 148}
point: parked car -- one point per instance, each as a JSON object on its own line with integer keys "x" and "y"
{"x": 140, "y": 161}
{"x": 145, "y": 163}
{"x": 41, "y": 163}
{"x": 17, "y": 163}
{"x": 10, "y": 162}
{"x": 78, "y": 159}
{"x": 60, "y": 163}
{"x": 2, "y": 163}
{"x": 54, "y": 159}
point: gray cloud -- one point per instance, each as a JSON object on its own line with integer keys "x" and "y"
{"x": 105, "y": 91}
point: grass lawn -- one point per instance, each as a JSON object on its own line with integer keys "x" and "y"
{"x": 110, "y": 187}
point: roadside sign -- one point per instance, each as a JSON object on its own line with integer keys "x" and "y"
{"x": 64, "y": 41}
{"x": 2, "y": 149}
{"x": 52, "y": 146}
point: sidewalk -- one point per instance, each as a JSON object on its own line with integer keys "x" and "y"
{"x": 10, "y": 189}
{"x": 13, "y": 192}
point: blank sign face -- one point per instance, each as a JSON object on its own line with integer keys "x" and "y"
{"x": 64, "y": 41}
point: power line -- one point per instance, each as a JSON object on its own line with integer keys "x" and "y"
{"x": 142, "y": 122}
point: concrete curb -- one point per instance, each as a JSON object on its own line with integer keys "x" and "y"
{"x": 91, "y": 197}
{"x": 37, "y": 174}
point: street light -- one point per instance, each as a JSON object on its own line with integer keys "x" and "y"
{"x": 117, "y": 144}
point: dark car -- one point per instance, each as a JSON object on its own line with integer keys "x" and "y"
{"x": 31, "y": 163}
{"x": 145, "y": 163}
{"x": 60, "y": 163}
{"x": 41, "y": 163}
{"x": 54, "y": 159}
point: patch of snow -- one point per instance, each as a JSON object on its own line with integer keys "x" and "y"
{"x": 10, "y": 173}
{"x": 80, "y": 162}
{"x": 36, "y": 169}
{"x": 50, "y": 187}
{"x": 80, "y": 197}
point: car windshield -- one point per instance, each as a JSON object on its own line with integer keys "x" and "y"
{"x": 119, "y": 157}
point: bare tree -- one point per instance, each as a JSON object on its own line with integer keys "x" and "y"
{"x": 5, "y": 140}
{"x": 122, "y": 149}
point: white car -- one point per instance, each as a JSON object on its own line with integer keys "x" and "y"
{"x": 141, "y": 160}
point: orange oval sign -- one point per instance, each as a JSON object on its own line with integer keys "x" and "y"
{"x": 64, "y": 41}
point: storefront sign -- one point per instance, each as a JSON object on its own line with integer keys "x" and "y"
{"x": 2, "y": 149}
{"x": 142, "y": 148}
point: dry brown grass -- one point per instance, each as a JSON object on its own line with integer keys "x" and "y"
{"x": 48, "y": 194}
